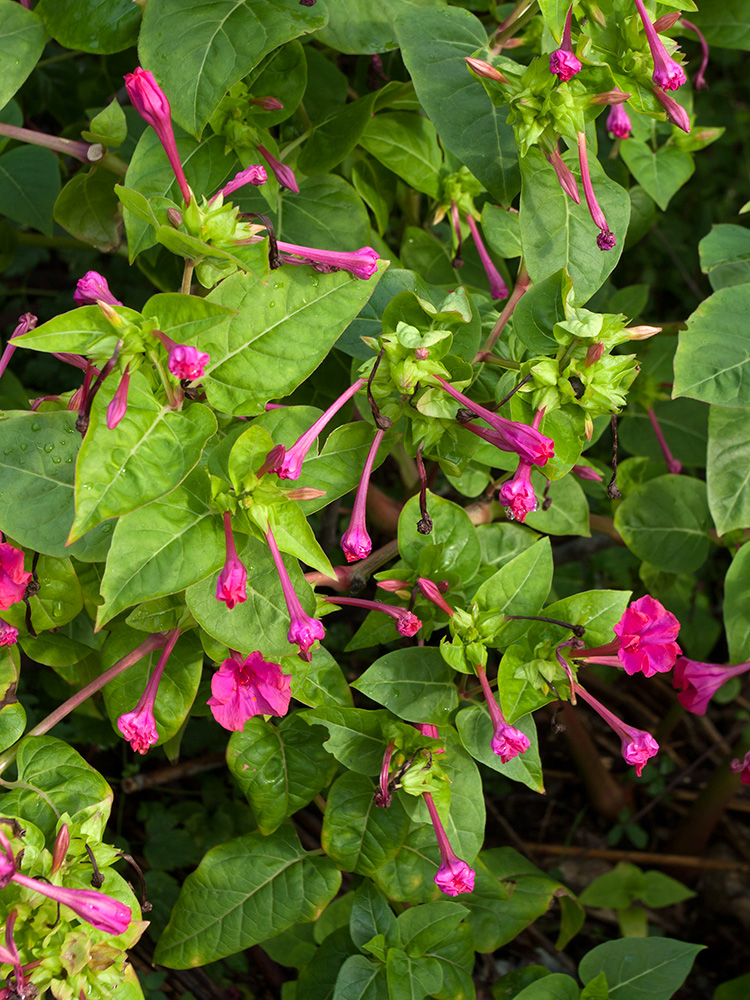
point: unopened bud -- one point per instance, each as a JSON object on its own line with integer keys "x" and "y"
{"x": 175, "y": 217}
{"x": 642, "y": 332}
{"x": 667, "y": 21}
{"x": 610, "y": 97}
{"x": 305, "y": 493}
{"x": 588, "y": 427}
{"x": 95, "y": 152}
{"x": 267, "y": 103}
{"x": 393, "y": 586}
{"x": 594, "y": 353}
{"x": 597, "y": 15}
{"x": 421, "y": 353}
{"x": 483, "y": 69}
{"x": 62, "y": 843}
{"x": 109, "y": 313}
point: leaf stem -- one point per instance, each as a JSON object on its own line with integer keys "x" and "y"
{"x": 522, "y": 284}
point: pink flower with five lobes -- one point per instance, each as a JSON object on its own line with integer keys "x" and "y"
{"x": 241, "y": 689}
{"x": 668, "y": 73}
{"x": 186, "y": 362}
{"x": 13, "y": 578}
{"x": 645, "y": 641}
{"x": 563, "y": 62}
{"x": 698, "y": 682}
{"x": 454, "y": 876}
{"x": 139, "y": 726}
{"x": 151, "y": 103}
{"x": 231, "y": 582}
{"x": 93, "y": 288}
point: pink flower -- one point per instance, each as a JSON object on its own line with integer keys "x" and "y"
{"x": 700, "y": 681}
{"x": 151, "y": 103}
{"x": 586, "y": 472}
{"x": 676, "y": 114}
{"x": 287, "y": 463}
{"x": 667, "y": 73}
{"x": 606, "y": 239}
{"x": 241, "y": 689}
{"x": 253, "y": 174}
{"x": 427, "y": 729}
{"x": 638, "y": 746}
{"x": 101, "y": 911}
{"x": 304, "y": 631}
{"x": 563, "y": 62}
{"x": 454, "y": 876}
{"x": 283, "y": 174}
{"x": 507, "y": 435}
{"x": 645, "y": 641}
{"x": 618, "y": 122}
{"x": 355, "y": 541}
{"x": 139, "y": 726}
{"x": 93, "y": 288}
{"x": 564, "y": 175}
{"x": 507, "y": 741}
{"x": 267, "y": 103}
{"x": 231, "y": 582}
{"x": 407, "y": 624}
{"x": 699, "y": 80}
{"x": 362, "y": 263}
{"x": 498, "y": 288}
{"x": 25, "y": 323}
{"x": 119, "y": 405}
{"x": 13, "y": 579}
{"x": 518, "y": 494}
{"x": 742, "y": 767}
{"x": 8, "y": 634}
{"x": 432, "y": 592}
{"x": 187, "y": 362}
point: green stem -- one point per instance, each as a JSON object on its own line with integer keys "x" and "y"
{"x": 113, "y": 163}
{"x": 522, "y": 284}
{"x": 187, "y": 277}
{"x": 155, "y": 641}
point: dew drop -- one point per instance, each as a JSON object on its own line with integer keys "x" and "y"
{"x": 56, "y": 460}
{"x": 24, "y": 446}
{"x": 49, "y": 447}
{"x": 36, "y": 426}
{"x": 271, "y": 305}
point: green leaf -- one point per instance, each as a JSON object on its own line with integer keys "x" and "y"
{"x": 272, "y": 345}
{"x": 358, "y": 28}
{"x": 637, "y": 968}
{"x": 53, "y": 779}
{"x": 109, "y": 127}
{"x": 453, "y": 537}
{"x": 736, "y": 607}
{"x": 661, "y": 173}
{"x": 370, "y": 914}
{"x": 295, "y": 536}
{"x": 626, "y": 884}
{"x": 598, "y": 610}
{"x": 726, "y": 25}
{"x": 151, "y": 451}
{"x": 713, "y": 356}
{"x": 177, "y": 688}
{"x": 279, "y": 768}
{"x": 475, "y": 729}
{"x": 554, "y": 13}
{"x": 556, "y": 986}
{"x": 666, "y": 521}
{"x": 22, "y": 38}
{"x": 12, "y": 712}
{"x": 728, "y": 472}
{"x": 409, "y": 979}
{"x": 556, "y": 233}
{"x": 456, "y": 957}
{"x": 317, "y": 981}
{"x": 733, "y": 989}
{"x": 88, "y": 208}
{"x": 501, "y": 227}
{"x": 568, "y": 514}
{"x": 37, "y": 456}
{"x": 361, "y": 979}
{"x": 407, "y": 145}
{"x": 29, "y": 185}
{"x": 410, "y": 876}
{"x": 414, "y": 683}
{"x": 337, "y": 469}
{"x": 262, "y": 621}
{"x": 327, "y": 213}
{"x": 319, "y": 682}
{"x": 357, "y": 835}
{"x": 434, "y": 45}
{"x": 185, "y": 318}
{"x": 725, "y": 255}
{"x": 355, "y": 736}
{"x": 684, "y": 423}
{"x": 81, "y": 331}
{"x": 219, "y": 43}
{"x": 333, "y": 139}
{"x": 244, "y": 891}
{"x": 538, "y": 310}
{"x": 100, "y": 26}
{"x": 521, "y": 586}
{"x": 421, "y": 928}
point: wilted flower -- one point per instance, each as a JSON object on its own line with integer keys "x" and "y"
{"x": 25, "y": 323}
{"x": 241, "y": 689}
{"x": 304, "y": 631}
{"x": 8, "y": 634}
{"x": 564, "y": 175}
{"x": 253, "y": 174}
{"x": 518, "y": 494}
{"x": 93, "y": 288}
{"x": 563, "y": 62}
{"x": 507, "y": 741}
{"x": 638, "y": 746}
{"x": 454, "y": 876}
{"x": 362, "y": 263}
{"x": 618, "y": 122}
{"x": 139, "y": 726}
{"x": 355, "y": 541}
{"x": 231, "y": 582}
{"x": 407, "y": 624}
{"x": 667, "y": 73}
{"x": 606, "y": 239}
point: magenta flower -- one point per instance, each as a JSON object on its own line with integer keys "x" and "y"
{"x": 742, "y": 767}
{"x": 188, "y": 362}
{"x": 427, "y": 729}
{"x": 638, "y": 746}
{"x": 645, "y": 641}
{"x": 383, "y": 797}
{"x": 9, "y": 954}
{"x": 432, "y": 592}
{"x": 231, "y": 582}
{"x": 698, "y": 682}
{"x": 283, "y": 174}
{"x": 676, "y": 114}
{"x": 498, "y": 288}
{"x": 407, "y": 624}
{"x": 93, "y": 288}
{"x": 139, "y": 726}
{"x": 586, "y": 472}
{"x": 563, "y": 62}
{"x": 673, "y": 465}
{"x": 101, "y": 911}
{"x": 362, "y": 263}
{"x": 507, "y": 435}
{"x": 253, "y": 174}
{"x": 8, "y": 634}
{"x": 606, "y": 239}
{"x": 518, "y": 494}
{"x": 618, "y": 122}
{"x": 699, "y": 80}
{"x": 25, "y": 323}
{"x": 564, "y": 175}
{"x": 453, "y": 876}
{"x": 287, "y": 464}
{"x": 241, "y": 689}
{"x": 13, "y": 578}
{"x": 119, "y": 404}
{"x": 304, "y": 631}
{"x": 151, "y": 103}
{"x": 507, "y": 741}
{"x": 667, "y": 73}
{"x": 355, "y": 541}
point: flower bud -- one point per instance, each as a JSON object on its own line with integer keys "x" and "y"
{"x": 483, "y": 69}
{"x": 62, "y": 843}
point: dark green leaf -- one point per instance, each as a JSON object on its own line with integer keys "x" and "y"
{"x": 728, "y": 473}
{"x": 453, "y": 534}
{"x": 410, "y": 979}
{"x": 637, "y": 968}
{"x": 414, "y": 683}
{"x": 661, "y": 173}
{"x": 88, "y": 208}
{"x": 22, "y": 38}
{"x": 407, "y": 145}
{"x": 91, "y": 25}
{"x": 355, "y": 736}
{"x": 29, "y": 185}
{"x": 475, "y": 730}
{"x": 361, "y": 979}
{"x": 725, "y": 255}
{"x": 736, "y": 608}
{"x": 370, "y": 914}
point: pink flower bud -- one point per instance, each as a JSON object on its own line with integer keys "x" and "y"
{"x": 60, "y": 850}
{"x": 91, "y": 288}
{"x": 283, "y": 174}
{"x": 407, "y": 624}
{"x": 267, "y": 103}
{"x": 483, "y": 69}
{"x": 675, "y": 112}
{"x": 432, "y": 592}
{"x": 618, "y": 122}
{"x": 355, "y": 541}
{"x": 304, "y": 631}
{"x": 25, "y": 323}
{"x": 454, "y": 876}
{"x": 119, "y": 404}
{"x": 507, "y": 741}
{"x": 151, "y": 103}
{"x": 139, "y": 726}
{"x": 667, "y": 74}
{"x": 594, "y": 354}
